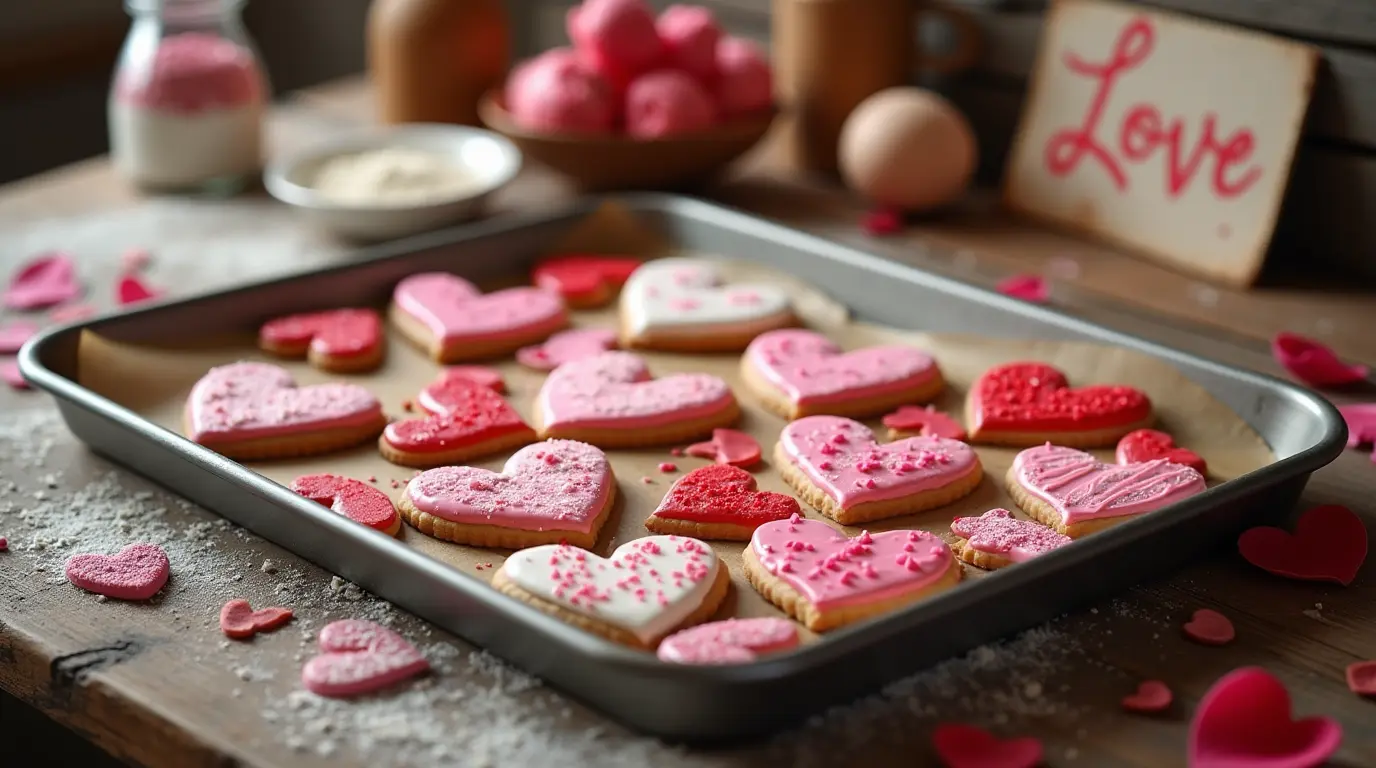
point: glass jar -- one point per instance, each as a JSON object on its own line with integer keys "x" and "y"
{"x": 187, "y": 103}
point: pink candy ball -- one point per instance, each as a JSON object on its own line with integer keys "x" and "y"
{"x": 617, "y": 37}
{"x": 665, "y": 103}
{"x": 558, "y": 92}
{"x": 690, "y": 35}
{"x": 744, "y": 82}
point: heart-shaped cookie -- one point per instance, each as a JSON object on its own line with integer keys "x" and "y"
{"x": 46, "y": 280}
{"x": 1151, "y": 696}
{"x": 360, "y": 657}
{"x": 799, "y": 373}
{"x": 341, "y": 340}
{"x": 836, "y": 465}
{"x": 467, "y": 419}
{"x": 584, "y": 280}
{"x": 719, "y": 502}
{"x": 1361, "y": 678}
{"x": 1076, "y": 494}
{"x": 1329, "y": 544}
{"x": 558, "y": 490}
{"x": 447, "y": 316}
{"x": 914, "y": 421}
{"x": 565, "y": 347}
{"x": 996, "y": 539}
{"x": 733, "y": 641}
{"x": 681, "y": 304}
{"x": 351, "y": 498}
{"x": 610, "y": 400}
{"x": 1032, "y": 403}
{"x": 239, "y": 621}
{"x": 965, "y": 746}
{"x": 826, "y": 580}
{"x": 728, "y": 446}
{"x": 1244, "y": 721}
{"x": 648, "y": 587}
{"x": 1147, "y": 444}
{"x": 137, "y": 572}
{"x": 256, "y": 411}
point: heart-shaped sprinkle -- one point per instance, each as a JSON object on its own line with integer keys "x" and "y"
{"x": 724, "y": 494}
{"x": 9, "y": 373}
{"x": 13, "y": 336}
{"x": 1152, "y": 696}
{"x": 1080, "y": 487}
{"x": 247, "y": 401}
{"x": 997, "y": 532}
{"x": 809, "y": 369}
{"x": 614, "y": 391}
{"x": 48, "y": 279}
{"x": 480, "y": 374}
{"x": 1147, "y": 444}
{"x": 360, "y": 657}
{"x": 683, "y": 293}
{"x": 239, "y": 621}
{"x": 733, "y": 641}
{"x": 584, "y": 280}
{"x": 137, "y": 572}
{"x": 1329, "y": 544}
{"x": 1244, "y": 721}
{"x": 462, "y": 413}
{"x": 1361, "y": 425}
{"x": 965, "y": 746}
{"x": 454, "y": 311}
{"x": 882, "y": 222}
{"x": 1313, "y": 363}
{"x": 1361, "y": 678}
{"x": 334, "y": 333}
{"x": 1029, "y": 288}
{"x": 1035, "y": 397}
{"x": 927, "y": 422}
{"x": 132, "y": 290}
{"x": 728, "y": 446}
{"x": 351, "y": 498}
{"x": 1210, "y": 628}
{"x": 565, "y": 347}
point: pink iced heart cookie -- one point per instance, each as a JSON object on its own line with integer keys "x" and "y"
{"x": 360, "y": 657}
{"x": 452, "y": 320}
{"x": 1076, "y": 494}
{"x": 1244, "y": 721}
{"x": 836, "y": 465}
{"x": 996, "y": 539}
{"x": 256, "y": 411}
{"x": 611, "y": 401}
{"x": 733, "y": 641}
{"x": 647, "y": 589}
{"x": 681, "y": 305}
{"x": 826, "y": 580}
{"x": 799, "y": 373}
{"x": 46, "y": 280}
{"x": 137, "y": 572}
{"x": 565, "y": 347}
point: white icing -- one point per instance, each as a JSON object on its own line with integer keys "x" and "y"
{"x": 685, "y": 295}
{"x": 648, "y": 618}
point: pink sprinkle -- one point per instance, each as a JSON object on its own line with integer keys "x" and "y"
{"x": 827, "y": 449}
{"x": 4, "y": 544}
{"x": 784, "y": 567}
{"x": 869, "y": 483}
{"x": 646, "y": 479}
{"x": 551, "y": 459}
{"x": 865, "y": 538}
{"x": 668, "y": 466}
{"x": 372, "y": 478}
{"x": 675, "y": 451}
{"x": 745, "y": 298}
{"x": 848, "y": 578}
{"x": 901, "y": 559}
{"x": 395, "y": 484}
{"x": 824, "y": 465}
{"x": 685, "y": 304}
{"x": 795, "y": 517}
{"x": 135, "y": 259}
{"x": 840, "y": 439}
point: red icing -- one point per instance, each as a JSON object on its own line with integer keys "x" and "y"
{"x": 1210, "y": 628}
{"x": 132, "y": 290}
{"x": 488, "y": 377}
{"x": 1361, "y": 678}
{"x": 1147, "y": 444}
{"x": 239, "y": 621}
{"x": 927, "y": 422}
{"x": 1244, "y": 721}
{"x": 1329, "y": 544}
{"x": 728, "y": 446}
{"x": 668, "y": 466}
{"x": 351, "y": 498}
{"x": 721, "y": 493}
{"x": 965, "y": 746}
{"x": 1151, "y": 696}
{"x": 1037, "y": 397}
{"x": 462, "y": 413}
{"x": 576, "y": 276}
{"x": 336, "y": 333}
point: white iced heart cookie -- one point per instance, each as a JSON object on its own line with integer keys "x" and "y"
{"x": 683, "y": 305}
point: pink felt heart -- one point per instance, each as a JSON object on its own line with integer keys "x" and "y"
{"x": 1244, "y": 721}
{"x": 614, "y": 391}
{"x": 565, "y": 347}
{"x": 1080, "y": 487}
{"x": 360, "y": 657}
{"x": 1210, "y": 628}
{"x": 965, "y": 746}
{"x": 1313, "y": 363}
{"x": 239, "y": 621}
{"x": 137, "y": 572}
{"x": 728, "y": 446}
{"x": 13, "y": 336}
{"x": 1329, "y": 544}
{"x": 1361, "y": 425}
{"x": 811, "y": 370}
{"x": 132, "y": 290}
{"x": 1026, "y": 287}
{"x": 1152, "y": 696}
{"x": 46, "y": 280}
{"x": 733, "y": 641}
{"x": 245, "y": 401}
{"x": 1361, "y": 678}
{"x": 453, "y": 309}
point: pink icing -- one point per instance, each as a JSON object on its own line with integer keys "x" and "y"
{"x": 566, "y": 346}
{"x": 997, "y": 532}
{"x": 453, "y": 309}
{"x": 841, "y": 457}
{"x": 242, "y": 401}
{"x": 557, "y": 485}
{"x": 615, "y": 390}
{"x": 809, "y": 368}
{"x": 194, "y": 72}
{"x": 733, "y": 641}
{"x": 833, "y": 571}
{"x": 1081, "y": 487}
{"x": 360, "y": 657}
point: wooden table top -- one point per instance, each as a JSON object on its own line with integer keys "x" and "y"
{"x": 159, "y": 685}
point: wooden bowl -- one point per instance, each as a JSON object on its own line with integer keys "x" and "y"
{"x": 618, "y": 162}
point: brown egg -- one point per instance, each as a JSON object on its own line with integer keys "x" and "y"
{"x": 907, "y": 148}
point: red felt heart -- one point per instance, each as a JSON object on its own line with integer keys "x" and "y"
{"x": 360, "y": 657}
{"x": 1147, "y": 444}
{"x": 1361, "y": 678}
{"x": 1151, "y": 696}
{"x": 721, "y": 493}
{"x": 728, "y": 446}
{"x": 1329, "y": 544}
{"x": 335, "y": 333}
{"x": 351, "y": 498}
{"x": 585, "y": 279}
{"x": 1034, "y": 397}
{"x": 239, "y": 621}
{"x": 1313, "y": 363}
{"x": 1244, "y": 722}
{"x": 1210, "y": 628}
{"x": 132, "y": 290}
{"x": 965, "y": 746}
{"x": 462, "y": 412}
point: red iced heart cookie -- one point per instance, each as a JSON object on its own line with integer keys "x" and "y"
{"x": 450, "y": 318}
{"x": 733, "y": 641}
{"x": 927, "y": 422}
{"x": 1030, "y": 403}
{"x": 132, "y": 290}
{"x": 479, "y": 374}
{"x": 335, "y": 340}
{"x": 1313, "y": 363}
{"x": 1244, "y": 721}
{"x": 1029, "y": 288}
{"x": 1147, "y": 444}
{"x": 566, "y": 346}
{"x": 360, "y": 657}
{"x": 1361, "y": 425}
{"x": 467, "y": 419}
{"x": 239, "y": 621}
{"x": 351, "y": 498}
{"x": 136, "y": 573}
{"x": 728, "y": 446}
{"x": 1361, "y": 678}
{"x": 584, "y": 280}
{"x": 1210, "y": 628}
{"x": 1329, "y": 544}
{"x": 965, "y": 746}
{"x": 1152, "y": 696}
{"x": 46, "y": 280}
{"x": 719, "y": 502}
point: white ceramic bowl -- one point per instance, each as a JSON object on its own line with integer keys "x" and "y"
{"x": 489, "y": 156}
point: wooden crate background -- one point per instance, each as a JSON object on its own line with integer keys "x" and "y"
{"x": 1329, "y": 217}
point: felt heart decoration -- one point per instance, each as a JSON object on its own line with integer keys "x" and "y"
{"x": 462, "y": 412}
{"x": 239, "y": 621}
{"x": 733, "y": 641}
{"x": 351, "y": 498}
{"x": 965, "y": 746}
{"x": 1147, "y": 444}
{"x": 565, "y": 347}
{"x": 453, "y": 309}
{"x": 333, "y": 333}
{"x": 13, "y": 336}
{"x": 137, "y": 572}
{"x": 1244, "y": 721}
{"x": 244, "y": 401}
{"x": 360, "y": 657}
{"x": 689, "y": 292}
{"x": 1152, "y": 696}
{"x": 1313, "y": 363}
{"x": 809, "y": 368}
{"x": 584, "y": 280}
{"x": 9, "y": 373}
{"x": 1029, "y": 288}
{"x": 479, "y": 374}
{"x": 614, "y": 390}
{"x": 1361, "y": 678}
{"x": 1034, "y": 397}
{"x": 1210, "y": 628}
{"x": 1361, "y": 425}
{"x": 1080, "y": 487}
{"x": 132, "y": 290}
{"x": 1329, "y": 544}
{"x": 927, "y": 422}
{"x": 721, "y": 493}
{"x": 46, "y": 280}
{"x": 728, "y": 446}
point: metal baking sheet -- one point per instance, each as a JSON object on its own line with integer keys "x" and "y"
{"x": 684, "y": 702}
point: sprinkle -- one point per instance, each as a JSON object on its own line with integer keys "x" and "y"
{"x": 646, "y": 479}
{"x": 675, "y": 451}
{"x": 668, "y": 466}
{"x": 408, "y": 406}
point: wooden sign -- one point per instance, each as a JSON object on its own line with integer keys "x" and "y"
{"x": 1169, "y": 135}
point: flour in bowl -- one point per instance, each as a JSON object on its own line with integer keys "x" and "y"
{"x": 393, "y": 176}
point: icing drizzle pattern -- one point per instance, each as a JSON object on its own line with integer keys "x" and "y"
{"x": 453, "y": 309}
{"x": 1081, "y": 487}
{"x": 809, "y": 368}
{"x": 462, "y": 412}
{"x": 722, "y": 493}
{"x": 1036, "y": 396}
{"x": 997, "y": 532}
{"x": 686, "y": 293}
{"x": 614, "y": 390}
{"x": 244, "y": 401}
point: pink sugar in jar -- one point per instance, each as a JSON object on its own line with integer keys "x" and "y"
{"x": 186, "y": 107}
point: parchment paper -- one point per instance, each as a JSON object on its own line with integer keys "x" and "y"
{"x": 154, "y": 382}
